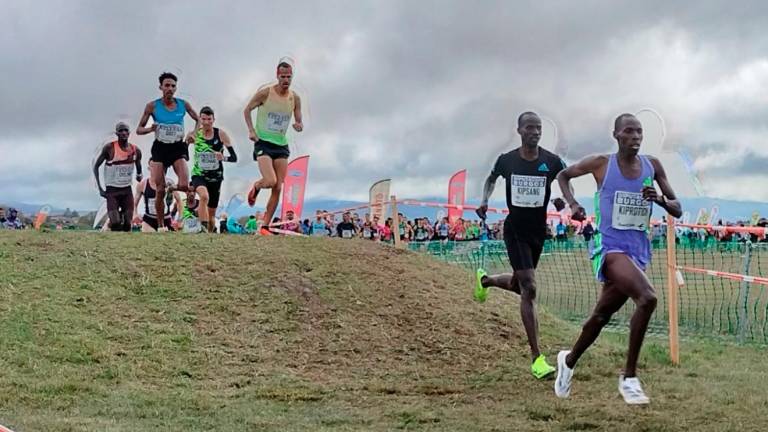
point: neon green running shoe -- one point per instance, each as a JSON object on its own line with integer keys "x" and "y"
{"x": 540, "y": 368}
{"x": 481, "y": 292}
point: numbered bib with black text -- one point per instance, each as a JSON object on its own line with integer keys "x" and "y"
{"x": 278, "y": 122}
{"x": 208, "y": 161}
{"x": 528, "y": 191}
{"x": 630, "y": 211}
{"x": 169, "y": 133}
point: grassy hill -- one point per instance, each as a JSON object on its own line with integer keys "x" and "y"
{"x": 126, "y": 332}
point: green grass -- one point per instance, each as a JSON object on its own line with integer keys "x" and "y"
{"x": 117, "y": 332}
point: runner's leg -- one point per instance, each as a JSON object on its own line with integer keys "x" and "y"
{"x": 280, "y": 167}
{"x": 609, "y": 302}
{"x": 157, "y": 171}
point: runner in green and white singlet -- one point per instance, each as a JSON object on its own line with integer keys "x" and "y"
{"x": 207, "y": 170}
{"x": 276, "y": 105}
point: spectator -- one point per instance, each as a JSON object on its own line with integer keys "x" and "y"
{"x": 346, "y": 228}
{"x": 588, "y": 231}
{"x": 223, "y": 224}
{"x": 306, "y": 227}
{"x": 377, "y": 228}
{"x": 458, "y": 231}
{"x": 367, "y": 228}
{"x": 320, "y": 225}
{"x": 387, "y": 234}
{"x": 252, "y": 226}
{"x": 2, "y": 216}
{"x": 290, "y": 224}
{"x": 423, "y": 231}
{"x": 12, "y": 220}
{"x": 442, "y": 229}
{"x": 560, "y": 231}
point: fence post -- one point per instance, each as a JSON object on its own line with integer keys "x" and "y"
{"x": 674, "y": 347}
{"x": 395, "y": 222}
{"x": 744, "y": 294}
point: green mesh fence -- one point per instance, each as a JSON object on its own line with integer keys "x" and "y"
{"x": 709, "y": 306}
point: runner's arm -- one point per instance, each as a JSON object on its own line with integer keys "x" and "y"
{"x": 228, "y": 144}
{"x": 588, "y": 165}
{"x": 192, "y": 113}
{"x": 100, "y": 160}
{"x": 139, "y": 174}
{"x": 668, "y": 201}
{"x": 298, "y": 124}
{"x": 256, "y": 101}
{"x": 142, "y": 129}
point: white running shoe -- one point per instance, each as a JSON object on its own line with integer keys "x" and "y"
{"x": 631, "y": 391}
{"x": 564, "y": 376}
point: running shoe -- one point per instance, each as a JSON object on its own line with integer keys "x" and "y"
{"x": 632, "y": 392}
{"x": 481, "y": 292}
{"x": 540, "y": 368}
{"x": 564, "y": 376}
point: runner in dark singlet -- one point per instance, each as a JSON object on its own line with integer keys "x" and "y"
{"x": 147, "y": 189}
{"x": 528, "y": 171}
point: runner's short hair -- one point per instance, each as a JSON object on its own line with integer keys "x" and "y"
{"x": 165, "y": 75}
{"x": 206, "y": 110}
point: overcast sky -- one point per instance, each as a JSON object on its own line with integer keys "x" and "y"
{"x": 412, "y": 90}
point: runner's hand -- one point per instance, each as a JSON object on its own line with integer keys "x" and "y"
{"x": 252, "y": 135}
{"x": 136, "y": 220}
{"x": 298, "y": 126}
{"x": 219, "y": 156}
{"x": 650, "y": 194}
{"x": 191, "y": 138}
{"x": 139, "y": 177}
{"x": 482, "y": 211}
{"x": 578, "y": 213}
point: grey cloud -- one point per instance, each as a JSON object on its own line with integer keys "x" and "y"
{"x": 434, "y": 86}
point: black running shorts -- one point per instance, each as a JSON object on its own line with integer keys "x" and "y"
{"x": 523, "y": 248}
{"x": 266, "y": 148}
{"x": 214, "y": 190}
{"x": 167, "y": 154}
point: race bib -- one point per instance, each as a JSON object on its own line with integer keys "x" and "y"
{"x": 278, "y": 122}
{"x": 528, "y": 191}
{"x": 119, "y": 175}
{"x": 191, "y": 225}
{"x": 630, "y": 211}
{"x": 347, "y": 234}
{"x": 208, "y": 161}
{"x": 169, "y": 133}
{"x": 151, "y": 207}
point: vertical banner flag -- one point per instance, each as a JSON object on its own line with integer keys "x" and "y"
{"x": 294, "y": 185}
{"x": 378, "y": 196}
{"x": 456, "y": 188}
{"x": 42, "y": 215}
